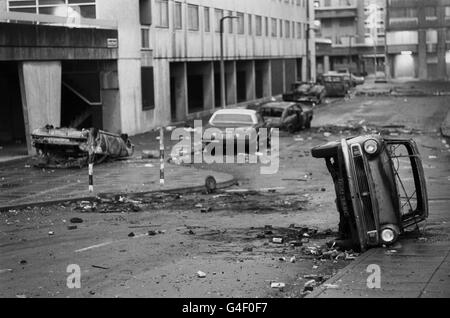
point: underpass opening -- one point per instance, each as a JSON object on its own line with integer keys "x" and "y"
{"x": 12, "y": 126}
{"x": 81, "y": 103}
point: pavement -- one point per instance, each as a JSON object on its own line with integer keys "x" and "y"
{"x": 23, "y": 185}
{"x": 396, "y": 87}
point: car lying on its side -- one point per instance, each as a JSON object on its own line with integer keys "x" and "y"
{"x": 243, "y": 126}
{"x": 380, "y": 188}
{"x": 309, "y": 93}
{"x": 288, "y": 116}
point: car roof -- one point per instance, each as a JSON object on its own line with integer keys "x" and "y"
{"x": 282, "y": 105}
{"x": 241, "y": 111}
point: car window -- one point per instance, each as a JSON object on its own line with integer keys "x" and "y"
{"x": 272, "y": 112}
{"x": 260, "y": 118}
{"x": 232, "y": 118}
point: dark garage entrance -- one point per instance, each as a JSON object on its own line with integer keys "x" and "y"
{"x": 12, "y": 126}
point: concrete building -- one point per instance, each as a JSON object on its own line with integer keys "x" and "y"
{"x": 356, "y": 31}
{"x": 418, "y": 38}
{"x": 133, "y": 65}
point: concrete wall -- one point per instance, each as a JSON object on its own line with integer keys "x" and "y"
{"x": 3, "y": 5}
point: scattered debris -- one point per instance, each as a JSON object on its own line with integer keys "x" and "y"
{"x": 201, "y": 274}
{"x": 248, "y": 249}
{"x": 278, "y": 240}
{"x": 278, "y": 285}
{"x": 72, "y": 227}
{"x": 292, "y": 259}
{"x": 205, "y": 210}
{"x": 331, "y": 286}
{"x": 76, "y": 220}
{"x": 23, "y": 262}
{"x": 7, "y": 270}
{"x": 99, "y": 267}
{"x": 131, "y": 234}
{"x": 51, "y": 233}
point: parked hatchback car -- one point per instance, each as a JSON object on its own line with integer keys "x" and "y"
{"x": 380, "y": 188}
{"x": 288, "y": 116}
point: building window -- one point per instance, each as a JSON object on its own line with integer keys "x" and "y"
{"x": 266, "y": 20}
{"x": 162, "y": 13}
{"x": 299, "y": 30}
{"x": 178, "y": 16}
{"x": 218, "y": 15}
{"x": 281, "y": 28}
{"x": 207, "y": 20}
{"x": 447, "y": 12}
{"x": 274, "y": 28}
{"x": 145, "y": 12}
{"x": 258, "y": 25}
{"x": 287, "y": 29}
{"x": 193, "y": 23}
{"x": 250, "y": 25}
{"x": 447, "y": 38}
{"x": 63, "y": 8}
{"x": 145, "y": 38}
{"x": 230, "y": 22}
{"x": 240, "y": 23}
{"x": 148, "y": 89}
{"x": 430, "y": 13}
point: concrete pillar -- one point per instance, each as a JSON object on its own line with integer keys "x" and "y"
{"x": 422, "y": 62}
{"x": 40, "y": 86}
{"x": 326, "y": 64}
{"x": 250, "y": 80}
{"x": 230, "y": 79}
{"x": 267, "y": 71}
{"x": 441, "y": 51}
{"x": 304, "y": 70}
{"x": 208, "y": 85}
{"x": 181, "y": 89}
{"x": 109, "y": 90}
{"x": 284, "y": 73}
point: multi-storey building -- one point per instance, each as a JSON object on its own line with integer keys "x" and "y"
{"x": 418, "y": 38}
{"x": 355, "y": 30}
{"x": 133, "y": 65}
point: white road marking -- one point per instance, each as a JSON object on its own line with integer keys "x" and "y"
{"x": 106, "y": 244}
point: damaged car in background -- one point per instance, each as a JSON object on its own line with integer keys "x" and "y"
{"x": 310, "y": 93}
{"x": 71, "y": 148}
{"x": 289, "y": 116}
{"x": 380, "y": 188}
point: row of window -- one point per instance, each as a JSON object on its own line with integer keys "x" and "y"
{"x": 242, "y": 24}
{"x": 431, "y": 12}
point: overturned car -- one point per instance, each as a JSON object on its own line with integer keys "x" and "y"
{"x": 72, "y": 148}
{"x": 380, "y": 188}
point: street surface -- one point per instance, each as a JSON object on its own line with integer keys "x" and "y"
{"x": 231, "y": 242}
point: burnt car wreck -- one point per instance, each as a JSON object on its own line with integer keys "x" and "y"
{"x": 380, "y": 188}
{"x": 72, "y": 148}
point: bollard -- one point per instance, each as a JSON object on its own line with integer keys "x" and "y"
{"x": 91, "y": 174}
{"x": 161, "y": 156}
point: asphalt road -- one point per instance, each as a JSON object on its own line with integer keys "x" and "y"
{"x": 225, "y": 243}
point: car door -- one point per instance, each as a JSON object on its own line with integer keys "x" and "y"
{"x": 300, "y": 115}
{"x": 290, "y": 118}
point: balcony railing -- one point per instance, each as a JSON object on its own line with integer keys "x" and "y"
{"x": 46, "y": 19}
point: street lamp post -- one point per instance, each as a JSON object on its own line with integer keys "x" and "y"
{"x": 222, "y": 62}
